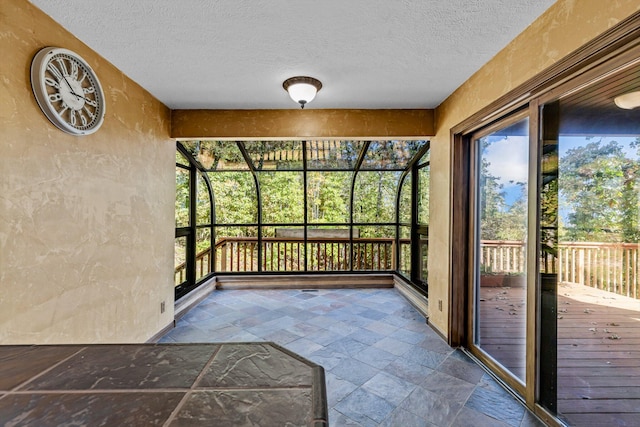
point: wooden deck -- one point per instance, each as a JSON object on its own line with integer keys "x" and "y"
{"x": 598, "y": 350}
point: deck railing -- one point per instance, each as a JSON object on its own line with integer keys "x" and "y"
{"x": 613, "y": 267}
{"x": 240, "y": 254}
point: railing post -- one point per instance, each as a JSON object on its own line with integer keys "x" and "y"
{"x": 223, "y": 257}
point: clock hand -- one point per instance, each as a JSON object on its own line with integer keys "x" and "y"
{"x": 71, "y": 89}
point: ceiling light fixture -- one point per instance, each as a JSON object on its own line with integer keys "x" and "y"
{"x": 302, "y": 89}
{"x": 628, "y": 101}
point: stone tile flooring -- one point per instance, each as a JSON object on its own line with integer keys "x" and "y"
{"x": 384, "y": 365}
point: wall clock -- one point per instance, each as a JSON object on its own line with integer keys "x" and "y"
{"x": 67, "y": 91}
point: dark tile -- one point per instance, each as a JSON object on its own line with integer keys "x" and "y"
{"x": 467, "y": 371}
{"x": 354, "y": 371}
{"x": 393, "y": 346}
{"x": 80, "y": 409}
{"x": 363, "y": 406}
{"x": 407, "y": 370}
{"x": 469, "y": 417}
{"x": 235, "y": 408}
{"x": 437, "y": 344}
{"x": 407, "y": 336}
{"x": 187, "y": 333}
{"x": 20, "y": 363}
{"x": 448, "y": 387}
{"x": 400, "y": 417}
{"x": 389, "y": 387}
{"x": 255, "y": 365}
{"x": 430, "y": 406}
{"x": 424, "y": 357}
{"x": 496, "y": 405}
{"x": 132, "y": 366}
{"x": 375, "y": 357}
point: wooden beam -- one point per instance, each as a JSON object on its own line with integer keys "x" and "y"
{"x": 295, "y": 124}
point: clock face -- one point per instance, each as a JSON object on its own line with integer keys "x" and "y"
{"x": 67, "y": 90}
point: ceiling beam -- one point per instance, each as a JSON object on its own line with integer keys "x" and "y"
{"x": 296, "y": 124}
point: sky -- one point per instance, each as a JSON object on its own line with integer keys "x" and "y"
{"x": 508, "y": 158}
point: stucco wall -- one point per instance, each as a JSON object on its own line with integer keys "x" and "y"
{"x": 86, "y": 223}
{"x": 563, "y": 28}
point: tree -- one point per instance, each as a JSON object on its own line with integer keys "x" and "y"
{"x": 599, "y": 188}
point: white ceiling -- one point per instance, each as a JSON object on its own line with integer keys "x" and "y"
{"x": 232, "y": 54}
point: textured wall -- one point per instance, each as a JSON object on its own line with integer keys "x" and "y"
{"x": 563, "y": 28}
{"x": 86, "y": 223}
{"x": 301, "y": 123}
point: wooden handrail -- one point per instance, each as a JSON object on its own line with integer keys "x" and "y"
{"x": 611, "y": 266}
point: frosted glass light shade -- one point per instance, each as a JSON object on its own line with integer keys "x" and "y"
{"x": 300, "y": 92}
{"x": 302, "y": 89}
{"x": 628, "y": 101}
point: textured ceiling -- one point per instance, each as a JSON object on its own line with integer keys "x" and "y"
{"x": 230, "y": 54}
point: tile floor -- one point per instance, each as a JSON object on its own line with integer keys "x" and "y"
{"x": 384, "y": 365}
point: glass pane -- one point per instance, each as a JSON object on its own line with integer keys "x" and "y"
{"x": 373, "y": 248}
{"x": 390, "y": 154}
{"x": 328, "y": 248}
{"x": 332, "y": 154}
{"x": 597, "y": 267}
{"x": 235, "y": 196}
{"x": 405, "y": 201}
{"x": 182, "y": 197}
{"x": 236, "y": 249}
{"x": 501, "y": 223}
{"x": 282, "y": 197}
{"x": 404, "y": 266}
{"x": 375, "y": 196}
{"x": 203, "y": 252}
{"x": 328, "y": 196}
{"x": 423, "y": 274}
{"x": 203, "y": 204}
{"x": 423, "y": 195}
{"x": 216, "y": 155}
{"x": 180, "y": 257}
{"x": 271, "y": 155}
{"x": 181, "y": 159}
{"x": 283, "y": 248}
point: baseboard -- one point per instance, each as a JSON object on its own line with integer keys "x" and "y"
{"x": 415, "y": 298}
{"x": 161, "y": 333}
{"x": 305, "y": 281}
{"x": 187, "y": 302}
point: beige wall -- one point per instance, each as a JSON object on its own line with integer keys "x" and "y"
{"x": 563, "y": 28}
{"x": 297, "y": 123}
{"x": 86, "y": 223}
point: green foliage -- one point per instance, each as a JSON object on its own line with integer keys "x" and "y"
{"x": 498, "y": 220}
{"x": 182, "y": 197}
{"x": 599, "y": 185}
{"x": 328, "y": 195}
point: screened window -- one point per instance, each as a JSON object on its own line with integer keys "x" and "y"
{"x": 295, "y": 206}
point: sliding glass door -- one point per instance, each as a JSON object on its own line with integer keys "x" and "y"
{"x": 499, "y": 250}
